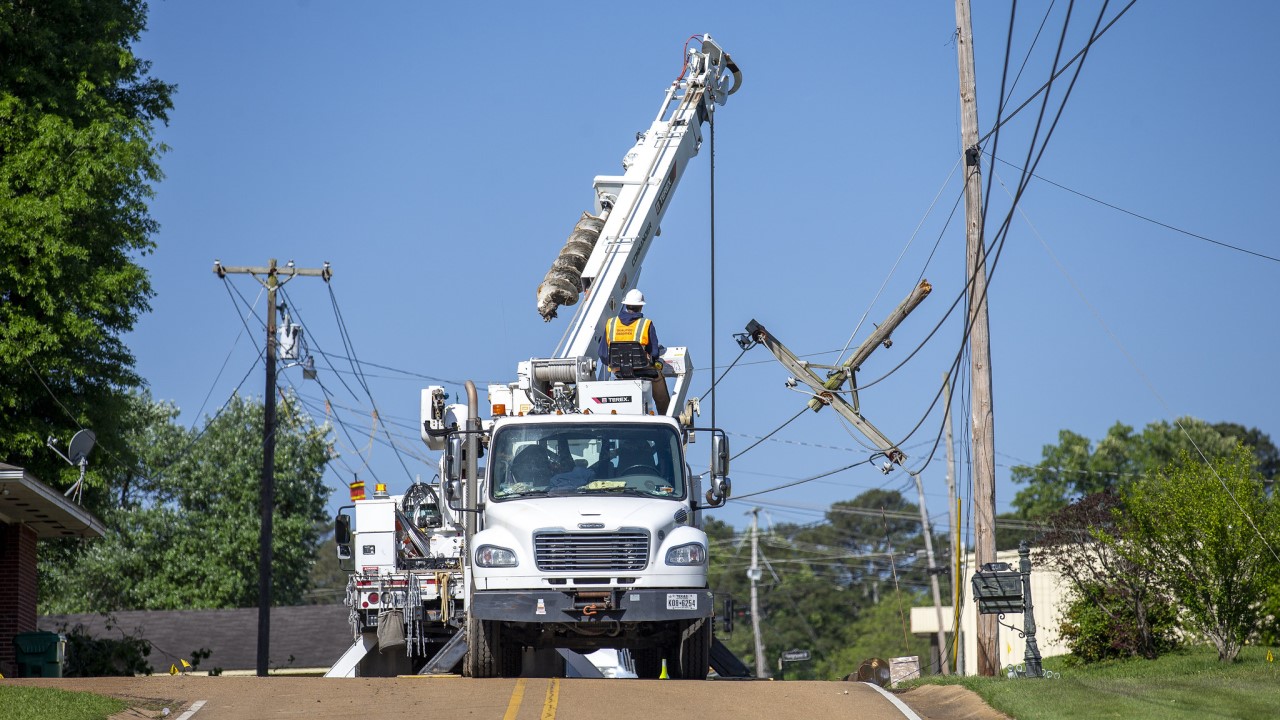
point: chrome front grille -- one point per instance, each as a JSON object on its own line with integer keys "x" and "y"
{"x": 593, "y": 552}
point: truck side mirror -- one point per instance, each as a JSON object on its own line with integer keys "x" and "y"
{"x": 342, "y": 535}
{"x": 453, "y": 459}
{"x": 719, "y": 455}
{"x": 721, "y": 486}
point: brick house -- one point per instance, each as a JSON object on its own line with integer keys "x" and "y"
{"x": 29, "y": 512}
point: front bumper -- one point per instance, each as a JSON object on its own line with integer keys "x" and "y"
{"x": 568, "y": 606}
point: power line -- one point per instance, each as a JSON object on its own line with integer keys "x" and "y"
{"x": 1142, "y": 217}
{"x": 771, "y": 433}
{"x": 1083, "y": 51}
{"x": 799, "y": 482}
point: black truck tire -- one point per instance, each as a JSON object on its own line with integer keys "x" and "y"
{"x": 489, "y": 654}
{"x": 694, "y": 651}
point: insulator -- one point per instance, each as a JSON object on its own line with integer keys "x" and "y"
{"x": 563, "y": 281}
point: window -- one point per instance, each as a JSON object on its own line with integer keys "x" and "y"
{"x": 586, "y": 459}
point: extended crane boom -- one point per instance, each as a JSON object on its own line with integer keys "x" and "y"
{"x": 604, "y": 254}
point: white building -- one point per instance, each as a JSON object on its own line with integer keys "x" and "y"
{"x": 1049, "y": 593}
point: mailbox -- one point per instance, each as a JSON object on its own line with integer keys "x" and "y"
{"x": 998, "y": 589}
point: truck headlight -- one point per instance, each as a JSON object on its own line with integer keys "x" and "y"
{"x": 493, "y": 556}
{"x": 687, "y": 554}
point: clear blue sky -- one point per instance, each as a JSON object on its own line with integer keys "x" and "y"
{"x": 437, "y": 154}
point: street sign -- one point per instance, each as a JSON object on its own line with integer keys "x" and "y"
{"x": 795, "y": 655}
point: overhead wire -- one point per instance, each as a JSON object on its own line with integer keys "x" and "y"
{"x": 1004, "y": 76}
{"x": 1059, "y": 71}
{"x": 349, "y": 346}
{"x": 1142, "y": 217}
{"x": 771, "y": 433}
{"x": 234, "y": 343}
{"x": 819, "y": 476}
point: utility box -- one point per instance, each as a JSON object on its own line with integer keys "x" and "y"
{"x": 39, "y": 654}
{"x": 998, "y": 589}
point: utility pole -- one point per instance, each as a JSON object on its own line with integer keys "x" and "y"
{"x": 272, "y": 278}
{"x": 753, "y": 572}
{"x": 984, "y": 482}
{"x": 933, "y": 574}
{"x": 956, "y": 550}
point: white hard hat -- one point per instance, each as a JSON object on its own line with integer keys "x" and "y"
{"x": 633, "y": 297}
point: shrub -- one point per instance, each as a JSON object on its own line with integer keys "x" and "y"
{"x": 89, "y": 656}
{"x": 1101, "y": 623}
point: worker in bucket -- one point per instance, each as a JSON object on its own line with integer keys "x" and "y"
{"x": 631, "y": 326}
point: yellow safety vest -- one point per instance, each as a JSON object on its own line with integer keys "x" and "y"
{"x": 635, "y": 332}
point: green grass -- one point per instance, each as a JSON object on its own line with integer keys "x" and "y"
{"x": 1190, "y": 683}
{"x": 38, "y": 703}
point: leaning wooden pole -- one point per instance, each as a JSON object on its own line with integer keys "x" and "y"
{"x": 984, "y": 482}
{"x": 876, "y": 339}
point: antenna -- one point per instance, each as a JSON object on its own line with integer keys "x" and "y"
{"x": 77, "y": 455}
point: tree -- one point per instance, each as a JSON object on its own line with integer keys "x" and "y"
{"x": 186, "y": 533}
{"x": 1074, "y": 468}
{"x": 1118, "y": 608}
{"x": 1210, "y": 534}
{"x": 77, "y": 162}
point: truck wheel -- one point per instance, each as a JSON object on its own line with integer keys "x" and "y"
{"x": 695, "y": 651}
{"x": 484, "y": 648}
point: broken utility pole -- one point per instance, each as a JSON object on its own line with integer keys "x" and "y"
{"x": 274, "y": 278}
{"x": 827, "y": 391}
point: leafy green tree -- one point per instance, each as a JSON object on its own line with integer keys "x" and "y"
{"x": 186, "y": 533}
{"x": 1075, "y": 468}
{"x": 78, "y": 159}
{"x": 1210, "y": 534}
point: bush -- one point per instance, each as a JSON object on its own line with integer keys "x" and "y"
{"x": 88, "y": 656}
{"x": 1101, "y": 623}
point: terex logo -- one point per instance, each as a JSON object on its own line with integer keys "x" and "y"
{"x": 665, "y": 191}
{"x": 612, "y": 399}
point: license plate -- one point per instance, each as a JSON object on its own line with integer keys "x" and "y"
{"x": 682, "y": 601}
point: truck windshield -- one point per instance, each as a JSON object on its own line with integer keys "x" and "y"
{"x": 586, "y": 459}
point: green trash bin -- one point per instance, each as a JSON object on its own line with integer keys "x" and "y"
{"x": 40, "y": 654}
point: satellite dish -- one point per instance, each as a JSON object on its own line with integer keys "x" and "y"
{"x": 81, "y": 444}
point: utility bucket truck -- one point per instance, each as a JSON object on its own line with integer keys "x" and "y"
{"x": 584, "y": 530}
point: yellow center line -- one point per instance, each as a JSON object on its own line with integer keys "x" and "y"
{"x": 553, "y": 698}
{"x": 517, "y": 695}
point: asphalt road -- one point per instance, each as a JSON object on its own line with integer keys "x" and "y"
{"x": 198, "y": 697}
